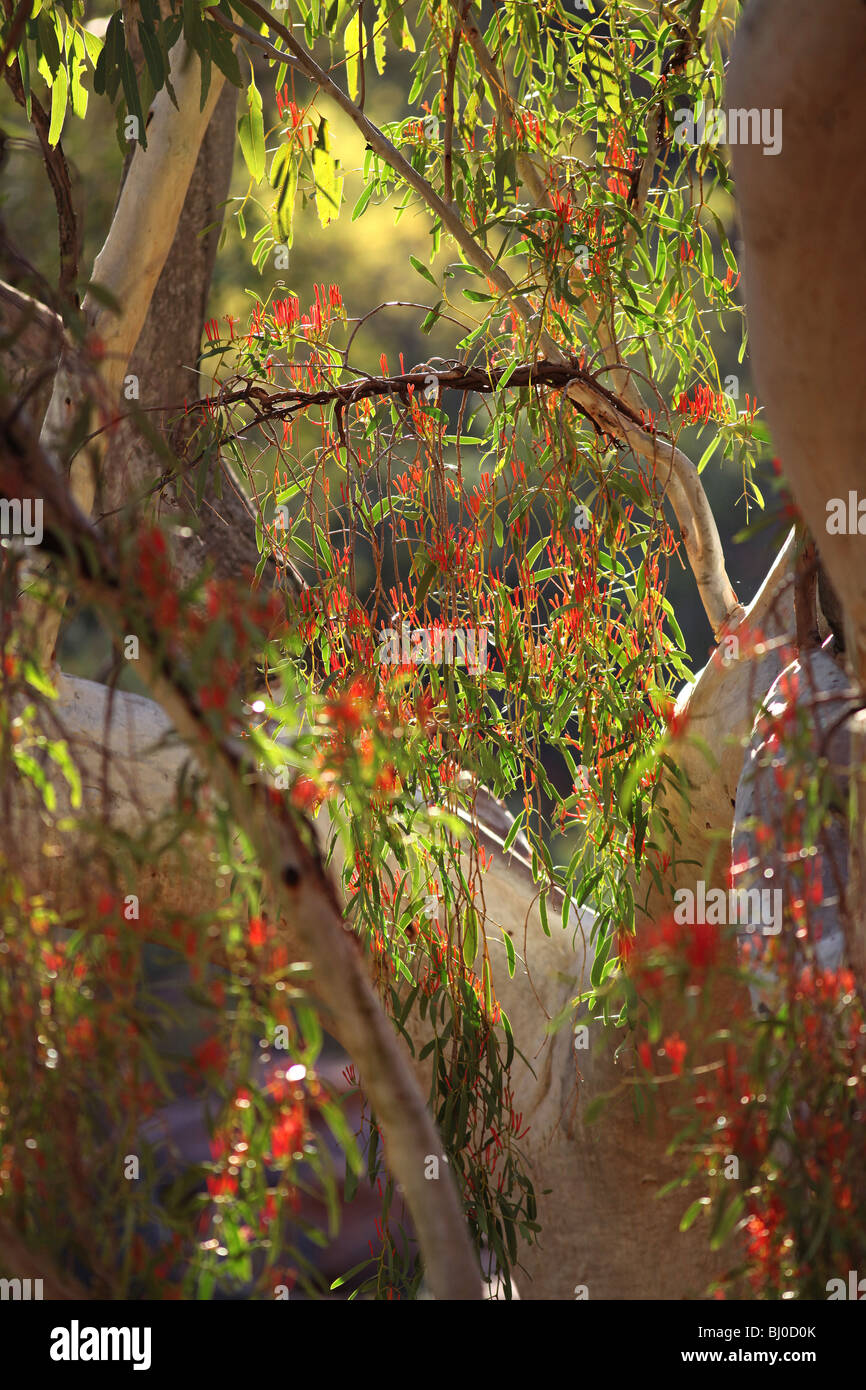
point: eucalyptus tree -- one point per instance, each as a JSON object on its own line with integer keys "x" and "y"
{"x": 370, "y": 606}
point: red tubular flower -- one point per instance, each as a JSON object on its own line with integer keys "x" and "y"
{"x": 210, "y": 1056}
{"x": 222, "y": 1185}
{"x": 287, "y": 1135}
{"x": 675, "y": 1049}
{"x": 257, "y": 932}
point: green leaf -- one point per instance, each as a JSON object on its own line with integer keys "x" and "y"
{"x": 328, "y": 178}
{"x": 542, "y": 912}
{"x": 284, "y": 177}
{"x": 509, "y": 1039}
{"x": 59, "y": 95}
{"x": 153, "y": 56}
{"x": 421, "y": 269}
{"x": 48, "y": 41}
{"x": 470, "y": 937}
{"x": 509, "y": 952}
{"x": 362, "y": 202}
{"x": 352, "y": 44}
{"x": 133, "y": 97}
{"x": 690, "y": 1216}
{"x": 251, "y": 132}
{"x": 424, "y": 583}
{"x": 513, "y": 832}
{"x": 429, "y": 321}
{"x": 224, "y": 55}
{"x": 344, "y": 1136}
{"x": 78, "y": 92}
{"x": 93, "y": 44}
{"x": 726, "y": 1221}
{"x": 379, "y": 39}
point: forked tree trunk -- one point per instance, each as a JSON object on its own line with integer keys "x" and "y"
{"x": 803, "y": 214}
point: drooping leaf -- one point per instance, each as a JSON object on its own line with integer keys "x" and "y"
{"x": 251, "y": 132}
{"x": 328, "y": 178}
{"x": 352, "y": 41}
{"x": 59, "y": 95}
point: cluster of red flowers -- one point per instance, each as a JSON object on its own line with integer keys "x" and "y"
{"x": 527, "y": 126}
{"x": 704, "y": 404}
{"x": 287, "y": 107}
{"x": 621, "y": 160}
{"x": 666, "y": 946}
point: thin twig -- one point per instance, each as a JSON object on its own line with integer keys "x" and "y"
{"x": 284, "y": 847}
{"x": 682, "y": 482}
{"x": 58, "y": 176}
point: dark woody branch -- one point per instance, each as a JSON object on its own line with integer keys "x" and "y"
{"x": 284, "y": 848}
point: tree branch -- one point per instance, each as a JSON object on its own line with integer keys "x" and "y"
{"x": 128, "y": 268}
{"x": 681, "y": 481}
{"x": 300, "y": 884}
{"x": 504, "y": 104}
{"x": 58, "y": 176}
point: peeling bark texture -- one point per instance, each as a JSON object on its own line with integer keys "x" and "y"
{"x": 803, "y": 212}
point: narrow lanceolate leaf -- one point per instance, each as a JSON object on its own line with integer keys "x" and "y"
{"x": 509, "y": 952}
{"x": 78, "y": 92}
{"x": 352, "y": 44}
{"x": 59, "y": 94}
{"x": 379, "y": 29}
{"x": 251, "y": 132}
{"x": 470, "y": 938}
{"x": 328, "y": 178}
{"x": 284, "y": 177}
{"x": 153, "y": 56}
{"x": 422, "y": 269}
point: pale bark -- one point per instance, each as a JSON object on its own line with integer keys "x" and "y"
{"x": 128, "y": 268}
{"x": 601, "y": 1224}
{"x": 302, "y": 892}
{"x": 803, "y": 213}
